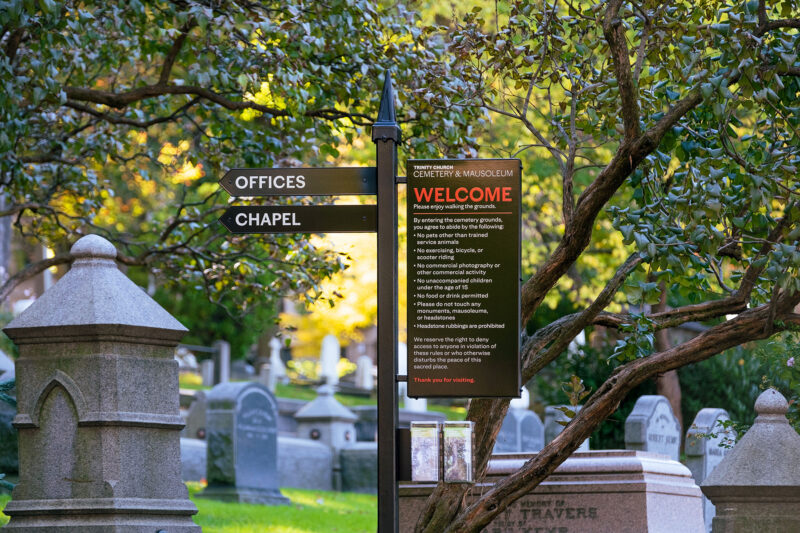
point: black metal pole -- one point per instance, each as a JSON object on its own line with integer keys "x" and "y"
{"x": 386, "y": 136}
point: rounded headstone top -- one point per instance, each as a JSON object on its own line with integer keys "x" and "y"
{"x": 771, "y": 402}
{"x": 93, "y": 246}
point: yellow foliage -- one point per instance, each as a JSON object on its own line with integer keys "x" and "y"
{"x": 353, "y": 293}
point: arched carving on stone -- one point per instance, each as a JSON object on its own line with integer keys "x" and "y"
{"x": 59, "y": 378}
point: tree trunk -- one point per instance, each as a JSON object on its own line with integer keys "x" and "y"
{"x": 667, "y": 384}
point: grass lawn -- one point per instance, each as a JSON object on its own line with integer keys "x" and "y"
{"x": 311, "y": 511}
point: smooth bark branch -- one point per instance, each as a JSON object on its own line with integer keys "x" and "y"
{"x": 116, "y": 119}
{"x": 32, "y": 270}
{"x": 745, "y": 327}
{"x": 614, "y": 32}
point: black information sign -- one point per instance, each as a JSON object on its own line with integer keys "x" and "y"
{"x": 463, "y": 281}
{"x": 300, "y": 218}
{"x": 299, "y": 181}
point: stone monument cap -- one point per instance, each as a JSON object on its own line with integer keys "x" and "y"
{"x": 771, "y": 402}
{"x": 93, "y": 246}
{"x": 325, "y": 407}
{"x": 768, "y": 455}
{"x": 95, "y": 301}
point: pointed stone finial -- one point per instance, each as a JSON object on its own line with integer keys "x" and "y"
{"x": 386, "y": 128}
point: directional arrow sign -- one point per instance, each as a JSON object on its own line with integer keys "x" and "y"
{"x": 300, "y": 219}
{"x": 299, "y": 181}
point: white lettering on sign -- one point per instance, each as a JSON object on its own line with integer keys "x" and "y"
{"x": 266, "y": 219}
{"x": 270, "y": 182}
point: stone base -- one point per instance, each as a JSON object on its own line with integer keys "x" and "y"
{"x": 228, "y": 493}
{"x": 591, "y": 492}
{"x": 753, "y": 509}
{"x": 121, "y": 515}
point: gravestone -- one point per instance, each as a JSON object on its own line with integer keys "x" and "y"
{"x": 242, "y": 436}
{"x": 359, "y": 467}
{"x": 652, "y": 427}
{"x": 364, "y": 379}
{"x": 222, "y": 361}
{"x": 329, "y": 357}
{"x": 553, "y": 415}
{"x": 756, "y": 487}
{"x": 703, "y": 450}
{"x": 242, "y": 371}
{"x": 98, "y": 406}
{"x": 207, "y": 372}
{"x": 193, "y": 459}
{"x": 305, "y": 464}
{"x": 522, "y": 431}
{"x": 608, "y": 491}
{"x": 196, "y": 418}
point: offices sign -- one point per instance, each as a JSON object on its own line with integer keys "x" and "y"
{"x": 463, "y": 283}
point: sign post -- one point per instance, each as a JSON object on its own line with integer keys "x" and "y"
{"x": 463, "y": 261}
{"x": 386, "y": 136}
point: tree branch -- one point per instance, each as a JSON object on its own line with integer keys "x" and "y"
{"x": 169, "y": 59}
{"x": 32, "y": 270}
{"x": 747, "y": 326}
{"x": 117, "y": 119}
{"x": 614, "y": 32}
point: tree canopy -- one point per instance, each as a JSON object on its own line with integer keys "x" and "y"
{"x": 118, "y": 118}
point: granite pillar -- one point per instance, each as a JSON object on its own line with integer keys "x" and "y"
{"x": 98, "y": 406}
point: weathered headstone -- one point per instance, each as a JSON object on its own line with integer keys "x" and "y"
{"x": 707, "y": 443}
{"x": 553, "y": 415}
{"x": 522, "y": 431}
{"x": 193, "y": 459}
{"x": 329, "y": 357}
{"x": 652, "y": 427}
{"x": 222, "y": 361}
{"x": 610, "y": 491}
{"x": 364, "y": 379}
{"x": 756, "y": 487}
{"x": 98, "y": 410}
{"x": 242, "y": 436}
{"x": 207, "y": 372}
{"x": 305, "y": 464}
{"x": 196, "y": 418}
{"x": 242, "y": 371}
{"x": 359, "y": 466}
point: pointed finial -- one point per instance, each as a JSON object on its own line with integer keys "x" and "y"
{"x": 386, "y": 128}
{"x": 386, "y": 111}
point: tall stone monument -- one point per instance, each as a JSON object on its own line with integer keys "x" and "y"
{"x": 242, "y": 437}
{"x": 329, "y": 356}
{"x": 98, "y": 406}
{"x": 756, "y": 487}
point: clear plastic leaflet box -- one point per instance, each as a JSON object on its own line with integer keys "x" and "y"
{"x": 424, "y": 451}
{"x": 457, "y": 444}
